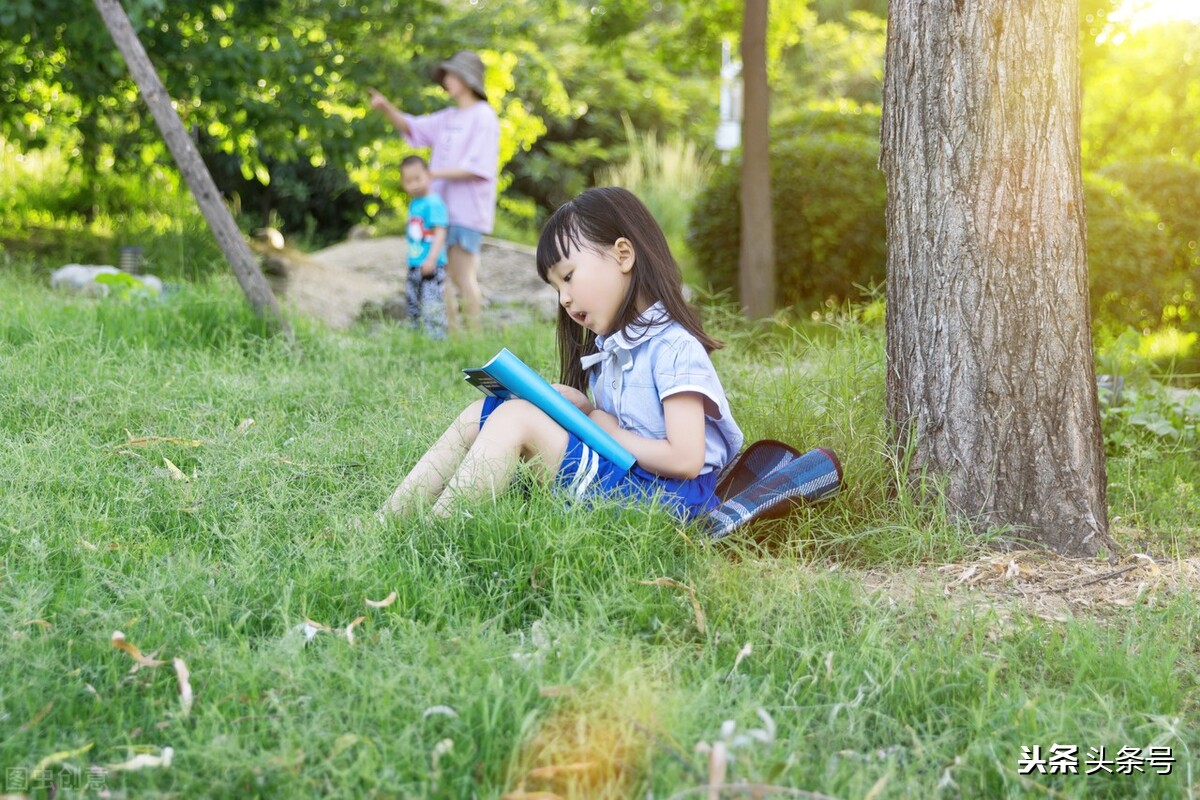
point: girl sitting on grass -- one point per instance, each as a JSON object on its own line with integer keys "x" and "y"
{"x": 624, "y": 327}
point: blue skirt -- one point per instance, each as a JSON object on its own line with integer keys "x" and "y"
{"x": 585, "y": 474}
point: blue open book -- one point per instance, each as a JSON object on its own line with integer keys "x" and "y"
{"x": 507, "y": 376}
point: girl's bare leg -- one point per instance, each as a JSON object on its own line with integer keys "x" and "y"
{"x": 428, "y": 478}
{"x": 462, "y": 268}
{"x": 516, "y": 431}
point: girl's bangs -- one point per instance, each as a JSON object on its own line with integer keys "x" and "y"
{"x": 559, "y": 237}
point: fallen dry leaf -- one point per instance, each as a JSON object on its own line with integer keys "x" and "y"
{"x": 745, "y": 651}
{"x": 245, "y": 424}
{"x": 185, "y": 685}
{"x": 144, "y": 761}
{"x": 435, "y": 756}
{"x": 59, "y": 757}
{"x": 701, "y": 625}
{"x": 718, "y": 763}
{"x": 877, "y": 788}
{"x": 176, "y": 472}
{"x": 445, "y": 711}
{"x": 384, "y": 603}
{"x": 350, "y": 629}
{"x": 119, "y": 642}
{"x": 1148, "y": 563}
{"x": 36, "y": 718}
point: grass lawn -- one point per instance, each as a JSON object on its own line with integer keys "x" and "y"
{"x": 169, "y": 472}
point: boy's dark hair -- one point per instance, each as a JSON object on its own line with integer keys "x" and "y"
{"x": 597, "y": 219}
{"x": 413, "y": 159}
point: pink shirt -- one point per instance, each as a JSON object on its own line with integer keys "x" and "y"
{"x": 466, "y": 139}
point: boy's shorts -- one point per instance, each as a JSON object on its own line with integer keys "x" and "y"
{"x": 584, "y": 474}
{"x": 468, "y": 239}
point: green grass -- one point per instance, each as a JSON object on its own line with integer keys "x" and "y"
{"x": 530, "y": 622}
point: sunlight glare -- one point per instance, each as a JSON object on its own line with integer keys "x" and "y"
{"x": 1144, "y": 13}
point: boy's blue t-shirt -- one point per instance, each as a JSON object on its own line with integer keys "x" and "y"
{"x": 425, "y": 214}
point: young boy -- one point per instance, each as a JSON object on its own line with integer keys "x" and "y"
{"x": 428, "y": 222}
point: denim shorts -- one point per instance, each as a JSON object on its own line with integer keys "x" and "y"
{"x": 585, "y": 474}
{"x": 468, "y": 239}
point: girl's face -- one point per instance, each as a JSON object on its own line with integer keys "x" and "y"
{"x": 592, "y": 284}
{"x": 454, "y": 85}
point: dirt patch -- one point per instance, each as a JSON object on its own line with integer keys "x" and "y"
{"x": 1043, "y": 584}
{"x": 334, "y": 284}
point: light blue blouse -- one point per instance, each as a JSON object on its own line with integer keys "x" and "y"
{"x": 640, "y": 366}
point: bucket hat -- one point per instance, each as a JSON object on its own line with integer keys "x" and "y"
{"x": 466, "y": 65}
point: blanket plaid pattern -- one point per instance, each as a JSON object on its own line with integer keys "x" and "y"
{"x": 769, "y": 481}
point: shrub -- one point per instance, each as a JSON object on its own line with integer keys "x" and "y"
{"x": 1129, "y": 253}
{"x": 828, "y": 202}
{"x": 666, "y": 175}
{"x": 1173, "y": 188}
{"x": 839, "y": 116}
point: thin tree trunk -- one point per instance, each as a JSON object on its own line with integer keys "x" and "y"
{"x": 187, "y": 158}
{"x": 756, "y": 281}
{"x": 990, "y": 375}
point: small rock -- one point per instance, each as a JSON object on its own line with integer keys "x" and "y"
{"x": 82, "y": 278}
{"x": 270, "y": 237}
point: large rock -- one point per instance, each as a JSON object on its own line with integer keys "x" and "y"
{"x": 336, "y": 283}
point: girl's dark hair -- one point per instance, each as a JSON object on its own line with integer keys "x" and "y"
{"x": 595, "y": 220}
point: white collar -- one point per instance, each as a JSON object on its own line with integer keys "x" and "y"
{"x": 651, "y": 322}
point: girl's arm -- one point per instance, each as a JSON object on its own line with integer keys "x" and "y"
{"x": 578, "y": 398}
{"x": 454, "y": 174}
{"x": 393, "y": 114}
{"x": 681, "y": 454}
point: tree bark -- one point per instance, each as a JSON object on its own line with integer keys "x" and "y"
{"x": 991, "y": 379}
{"x": 756, "y": 269}
{"x": 187, "y": 158}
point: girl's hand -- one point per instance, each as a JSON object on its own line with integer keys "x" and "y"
{"x": 378, "y": 101}
{"x": 578, "y": 398}
{"x": 605, "y": 420}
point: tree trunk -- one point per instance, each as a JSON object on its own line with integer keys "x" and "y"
{"x": 187, "y": 158}
{"x": 756, "y": 269}
{"x": 990, "y": 375}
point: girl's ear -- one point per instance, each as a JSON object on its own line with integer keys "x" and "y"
{"x": 626, "y": 256}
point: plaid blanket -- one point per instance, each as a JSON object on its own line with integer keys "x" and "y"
{"x": 768, "y": 480}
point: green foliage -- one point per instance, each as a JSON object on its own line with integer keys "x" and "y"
{"x": 1172, "y": 187}
{"x": 667, "y": 176}
{"x": 1127, "y": 252}
{"x": 833, "y": 60}
{"x": 49, "y": 213}
{"x": 124, "y": 287}
{"x": 1140, "y": 97}
{"x": 1154, "y": 412}
{"x": 828, "y": 207}
{"x": 821, "y": 117}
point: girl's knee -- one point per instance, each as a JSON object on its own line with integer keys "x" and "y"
{"x": 521, "y": 423}
{"x": 511, "y": 413}
{"x": 467, "y": 422}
